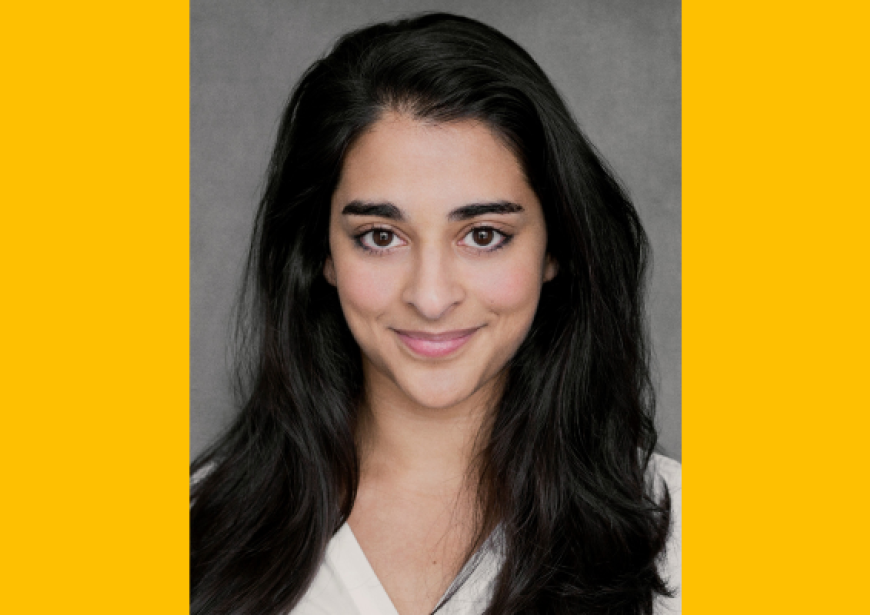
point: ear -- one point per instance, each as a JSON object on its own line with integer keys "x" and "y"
{"x": 329, "y": 270}
{"x": 551, "y": 268}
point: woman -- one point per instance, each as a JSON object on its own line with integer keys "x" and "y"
{"x": 448, "y": 399}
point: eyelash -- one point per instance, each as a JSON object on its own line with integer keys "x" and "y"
{"x": 505, "y": 239}
{"x": 358, "y": 239}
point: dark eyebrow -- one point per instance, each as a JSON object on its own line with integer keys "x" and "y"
{"x": 381, "y": 210}
{"x": 467, "y": 212}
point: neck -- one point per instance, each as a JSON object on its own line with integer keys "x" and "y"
{"x": 429, "y": 450}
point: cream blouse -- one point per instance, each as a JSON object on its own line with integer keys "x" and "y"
{"x": 346, "y": 584}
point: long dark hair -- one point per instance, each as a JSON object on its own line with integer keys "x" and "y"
{"x": 563, "y": 470}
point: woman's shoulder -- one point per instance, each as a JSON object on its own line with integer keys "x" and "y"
{"x": 667, "y": 471}
{"x": 664, "y": 472}
{"x": 197, "y": 475}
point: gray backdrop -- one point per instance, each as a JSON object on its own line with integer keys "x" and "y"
{"x": 617, "y": 63}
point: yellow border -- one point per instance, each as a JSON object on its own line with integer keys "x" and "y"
{"x": 776, "y": 307}
{"x": 95, "y": 277}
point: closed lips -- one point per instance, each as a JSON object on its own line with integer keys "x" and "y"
{"x": 435, "y": 344}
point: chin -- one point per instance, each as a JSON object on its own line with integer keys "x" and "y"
{"x": 437, "y": 387}
{"x": 438, "y": 399}
{"x": 440, "y": 391}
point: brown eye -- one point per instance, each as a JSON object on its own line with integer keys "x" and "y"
{"x": 483, "y": 236}
{"x": 485, "y": 239}
{"x": 382, "y": 238}
{"x": 379, "y": 239}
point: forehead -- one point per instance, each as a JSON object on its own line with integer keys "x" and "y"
{"x": 417, "y": 164}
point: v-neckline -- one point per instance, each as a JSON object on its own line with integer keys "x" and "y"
{"x": 367, "y": 592}
{"x": 356, "y": 572}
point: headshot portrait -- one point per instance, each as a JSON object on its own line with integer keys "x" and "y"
{"x": 435, "y": 351}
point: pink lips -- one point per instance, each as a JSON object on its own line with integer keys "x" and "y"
{"x": 435, "y": 344}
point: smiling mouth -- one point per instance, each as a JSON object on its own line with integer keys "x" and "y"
{"x": 434, "y": 345}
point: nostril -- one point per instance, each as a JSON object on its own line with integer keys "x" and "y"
{"x": 433, "y": 286}
{"x": 433, "y": 298}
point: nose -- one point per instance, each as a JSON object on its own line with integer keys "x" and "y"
{"x": 433, "y": 287}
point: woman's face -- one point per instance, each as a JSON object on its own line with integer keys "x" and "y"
{"x": 438, "y": 252}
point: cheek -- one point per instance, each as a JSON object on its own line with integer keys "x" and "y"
{"x": 364, "y": 289}
{"x": 511, "y": 289}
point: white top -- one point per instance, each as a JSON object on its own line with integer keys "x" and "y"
{"x": 346, "y": 584}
